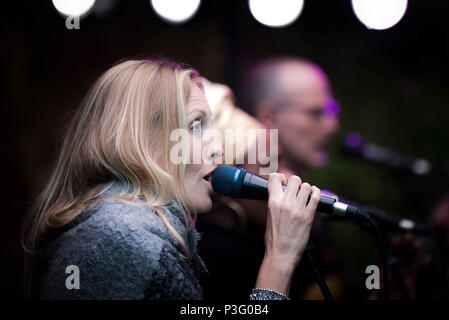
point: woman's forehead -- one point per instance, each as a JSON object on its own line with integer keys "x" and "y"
{"x": 197, "y": 100}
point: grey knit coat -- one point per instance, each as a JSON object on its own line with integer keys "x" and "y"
{"x": 122, "y": 251}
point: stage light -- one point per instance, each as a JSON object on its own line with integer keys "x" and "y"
{"x": 379, "y": 14}
{"x": 276, "y": 14}
{"x": 73, "y": 8}
{"x": 175, "y": 11}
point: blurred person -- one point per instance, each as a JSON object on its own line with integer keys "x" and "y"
{"x": 293, "y": 96}
{"x": 231, "y": 248}
{"x": 227, "y": 116}
{"x": 117, "y": 209}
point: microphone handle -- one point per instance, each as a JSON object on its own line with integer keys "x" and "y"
{"x": 255, "y": 187}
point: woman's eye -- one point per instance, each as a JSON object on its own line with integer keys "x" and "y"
{"x": 196, "y": 126}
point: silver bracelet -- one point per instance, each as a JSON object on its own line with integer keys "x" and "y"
{"x": 266, "y": 294}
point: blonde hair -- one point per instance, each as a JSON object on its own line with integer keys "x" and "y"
{"x": 121, "y": 131}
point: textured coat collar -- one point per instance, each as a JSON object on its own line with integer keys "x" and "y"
{"x": 176, "y": 216}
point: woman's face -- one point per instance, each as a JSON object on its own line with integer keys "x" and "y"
{"x": 199, "y": 118}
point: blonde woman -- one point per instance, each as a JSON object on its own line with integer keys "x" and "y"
{"x": 116, "y": 219}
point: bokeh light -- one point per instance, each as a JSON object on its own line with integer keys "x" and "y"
{"x": 379, "y": 14}
{"x": 73, "y": 8}
{"x": 175, "y": 11}
{"x": 276, "y": 14}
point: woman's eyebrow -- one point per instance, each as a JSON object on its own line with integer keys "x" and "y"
{"x": 205, "y": 111}
{"x": 198, "y": 110}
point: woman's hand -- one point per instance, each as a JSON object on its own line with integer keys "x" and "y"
{"x": 289, "y": 220}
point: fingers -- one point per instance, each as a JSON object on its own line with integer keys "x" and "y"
{"x": 275, "y": 181}
{"x": 289, "y": 217}
{"x": 292, "y": 197}
{"x": 294, "y": 183}
{"x": 314, "y": 199}
{"x": 303, "y": 194}
{"x": 310, "y": 207}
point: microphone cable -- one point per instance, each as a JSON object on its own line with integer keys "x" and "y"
{"x": 360, "y": 215}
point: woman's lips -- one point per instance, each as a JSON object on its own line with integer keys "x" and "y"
{"x": 209, "y": 184}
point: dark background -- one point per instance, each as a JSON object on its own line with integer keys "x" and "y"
{"x": 392, "y": 85}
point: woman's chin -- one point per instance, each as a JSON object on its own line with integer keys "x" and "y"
{"x": 204, "y": 206}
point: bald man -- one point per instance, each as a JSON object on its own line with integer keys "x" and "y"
{"x": 294, "y": 95}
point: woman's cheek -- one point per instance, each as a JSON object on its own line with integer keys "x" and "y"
{"x": 195, "y": 149}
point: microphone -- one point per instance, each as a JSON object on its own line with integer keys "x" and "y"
{"x": 393, "y": 222}
{"x": 239, "y": 183}
{"x": 354, "y": 145}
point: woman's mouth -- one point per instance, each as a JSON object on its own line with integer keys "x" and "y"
{"x": 208, "y": 179}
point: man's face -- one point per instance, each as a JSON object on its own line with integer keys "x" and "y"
{"x": 307, "y": 118}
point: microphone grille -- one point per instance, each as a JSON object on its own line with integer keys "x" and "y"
{"x": 224, "y": 180}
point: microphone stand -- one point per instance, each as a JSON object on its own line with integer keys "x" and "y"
{"x": 391, "y": 262}
{"x": 365, "y": 217}
{"x": 318, "y": 278}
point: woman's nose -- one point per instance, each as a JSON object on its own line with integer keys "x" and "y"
{"x": 217, "y": 150}
{"x": 215, "y": 147}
